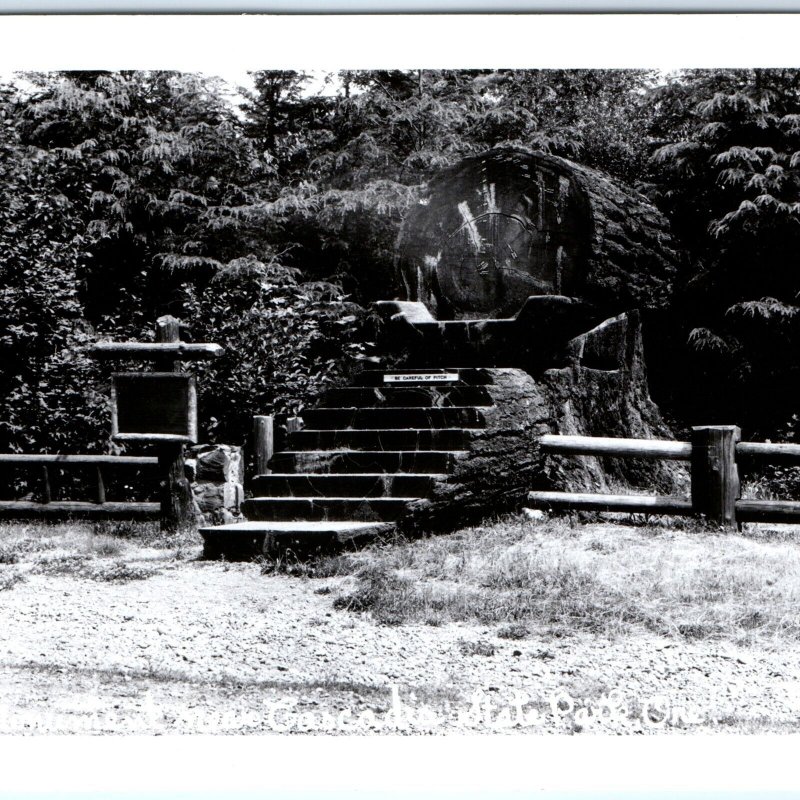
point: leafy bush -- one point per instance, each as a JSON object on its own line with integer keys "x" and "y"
{"x": 48, "y": 386}
{"x": 285, "y": 341}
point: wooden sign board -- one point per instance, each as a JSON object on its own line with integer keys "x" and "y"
{"x": 420, "y": 377}
{"x": 154, "y": 407}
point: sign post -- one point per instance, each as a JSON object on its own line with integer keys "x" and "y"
{"x": 160, "y": 408}
{"x": 175, "y": 492}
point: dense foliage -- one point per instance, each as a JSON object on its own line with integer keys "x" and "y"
{"x": 286, "y": 341}
{"x": 266, "y": 221}
{"x": 728, "y": 170}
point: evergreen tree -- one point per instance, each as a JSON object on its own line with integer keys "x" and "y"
{"x": 730, "y": 178}
{"x": 287, "y": 124}
{"x": 49, "y": 389}
{"x": 155, "y": 161}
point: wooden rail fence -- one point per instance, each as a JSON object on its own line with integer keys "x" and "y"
{"x": 99, "y": 508}
{"x": 714, "y": 454}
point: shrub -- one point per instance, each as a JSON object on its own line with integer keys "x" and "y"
{"x": 285, "y": 342}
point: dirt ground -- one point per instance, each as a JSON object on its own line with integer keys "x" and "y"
{"x": 211, "y": 647}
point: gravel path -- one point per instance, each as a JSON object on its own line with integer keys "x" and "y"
{"x": 207, "y": 647}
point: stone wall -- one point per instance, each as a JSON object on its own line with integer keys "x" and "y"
{"x": 216, "y": 473}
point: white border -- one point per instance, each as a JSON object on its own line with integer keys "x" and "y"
{"x": 216, "y": 44}
{"x": 318, "y": 766}
{"x": 424, "y": 766}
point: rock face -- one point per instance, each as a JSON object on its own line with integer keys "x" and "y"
{"x": 510, "y": 223}
{"x": 216, "y": 473}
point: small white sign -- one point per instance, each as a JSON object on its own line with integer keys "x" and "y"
{"x": 421, "y": 377}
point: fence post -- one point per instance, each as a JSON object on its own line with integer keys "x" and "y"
{"x": 100, "y": 496}
{"x": 47, "y": 492}
{"x": 264, "y": 442}
{"x": 715, "y": 477}
{"x": 177, "y": 510}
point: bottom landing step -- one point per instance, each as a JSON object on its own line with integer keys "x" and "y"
{"x": 248, "y": 539}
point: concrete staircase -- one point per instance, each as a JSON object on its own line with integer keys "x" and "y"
{"x": 363, "y": 456}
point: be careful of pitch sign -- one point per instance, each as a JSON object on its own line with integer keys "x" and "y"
{"x": 420, "y": 377}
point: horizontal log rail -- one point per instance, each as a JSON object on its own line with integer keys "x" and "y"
{"x": 634, "y": 504}
{"x": 608, "y": 446}
{"x": 713, "y": 454}
{"x": 180, "y": 351}
{"x": 771, "y": 450}
{"x": 768, "y": 511}
{"x": 78, "y": 460}
{"x": 48, "y": 507}
{"x": 66, "y": 509}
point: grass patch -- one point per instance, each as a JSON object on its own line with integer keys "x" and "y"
{"x": 117, "y": 571}
{"x": 515, "y": 631}
{"x": 70, "y": 564}
{"x": 479, "y": 648}
{"x": 8, "y": 580}
{"x": 16, "y": 544}
{"x": 94, "y": 551}
{"x": 557, "y": 578}
{"x": 79, "y": 565}
{"x": 148, "y": 534}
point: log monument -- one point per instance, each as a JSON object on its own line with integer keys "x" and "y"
{"x": 522, "y": 277}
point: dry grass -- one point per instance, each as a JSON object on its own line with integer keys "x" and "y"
{"x": 107, "y": 551}
{"x": 555, "y": 578}
{"x": 96, "y": 569}
{"x": 9, "y": 579}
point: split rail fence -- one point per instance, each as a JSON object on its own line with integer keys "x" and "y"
{"x": 48, "y": 506}
{"x": 714, "y": 454}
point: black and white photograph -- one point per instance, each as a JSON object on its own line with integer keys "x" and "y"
{"x": 403, "y": 400}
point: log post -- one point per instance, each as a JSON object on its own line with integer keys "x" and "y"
{"x": 47, "y": 492}
{"x": 100, "y": 497}
{"x": 715, "y": 477}
{"x": 175, "y": 491}
{"x": 177, "y": 512}
{"x": 168, "y": 329}
{"x": 264, "y": 442}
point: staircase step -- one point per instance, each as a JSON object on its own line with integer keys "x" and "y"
{"x": 246, "y": 539}
{"x": 355, "y": 509}
{"x": 374, "y": 418}
{"x": 388, "y": 439}
{"x": 369, "y": 461}
{"x": 406, "y": 396}
{"x": 344, "y": 485}
{"x": 470, "y": 376}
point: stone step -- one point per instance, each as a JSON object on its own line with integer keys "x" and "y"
{"x": 469, "y": 376}
{"x": 344, "y": 485}
{"x": 375, "y": 418}
{"x": 371, "y": 461}
{"x": 406, "y": 396}
{"x": 350, "y": 509}
{"x": 387, "y": 439}
{"x": 246, "y": 539}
